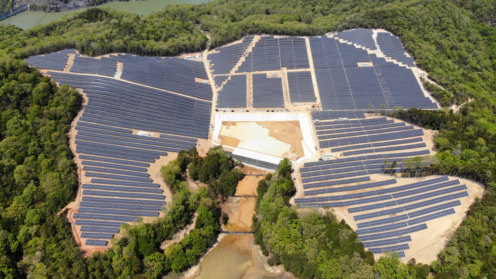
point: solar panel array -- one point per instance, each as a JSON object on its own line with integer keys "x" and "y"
{"x": 233, "y": 93}
{"x": 227, "y": 57}
{"x": 114, "y": 158}
{"x": 301, "y": 87}
{"x": 219, "y": 80}
{"x": 386, "y": 212}
{"x": 51, "y": 61}
{"x": 392, "y": 47}
{"x": 172, "y": 74}
{"x": 121, "y": 104}
{"x": 267, "y": 92}
{"x": 343, "y": 85}
{"x": 272, "y": 54}
{"x": 362, "y": 37}
{"x": 347, "y": 76}
{"x": 100, "y": 66}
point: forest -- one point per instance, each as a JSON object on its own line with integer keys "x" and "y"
{"x": 453, "y": 40}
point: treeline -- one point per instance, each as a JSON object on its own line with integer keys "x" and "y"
{"x": 37, "y": 174}
{"x": 314, "y": 245}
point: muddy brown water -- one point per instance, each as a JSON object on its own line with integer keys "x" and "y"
{"x": 236, "y": 256}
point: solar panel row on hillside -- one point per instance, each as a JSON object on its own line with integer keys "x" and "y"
{"x": 345, "y": 85}
{"x": 346, "y": 182}
{"x": 233, "y": 93}
{"x": 51, "y": 61}
{"x": 391, "y": 46}
{"x": 100, "y": 66}
{"x": 267, "y": 92}
{"x": 223, "y": 61}
{"x": 116, "y": 159}
{"x": 301, "y": 87}
{"x": 272, "y": 54}
{"x": 362, "y": 37}
{"x": 172, "y": 74}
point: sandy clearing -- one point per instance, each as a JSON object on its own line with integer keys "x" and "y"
{"x": 248, "y": 186}
{"x": 276, "y": 138}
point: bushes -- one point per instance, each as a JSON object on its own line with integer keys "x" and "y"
{"x": 216, "y": 169}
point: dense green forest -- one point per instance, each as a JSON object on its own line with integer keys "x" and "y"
{"x": 453, "y": 40}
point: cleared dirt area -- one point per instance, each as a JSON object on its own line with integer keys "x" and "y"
{"x": 276, "y": 138}
{"x": 248, "y": 186}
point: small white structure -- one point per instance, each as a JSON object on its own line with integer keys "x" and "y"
{"x": 145, "y": 134}
{"x": 327, "y": 156}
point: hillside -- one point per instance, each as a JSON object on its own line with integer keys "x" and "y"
{"x": 454, "y": 41}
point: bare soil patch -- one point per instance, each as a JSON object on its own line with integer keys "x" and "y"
{"x": 276, "y": 138}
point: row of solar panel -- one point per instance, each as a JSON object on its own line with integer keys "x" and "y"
{"x": 331, "y": 115}
{"x": 410, "y": 199}
{"x": 337, "y": 182}
{"x": 363, "y": 158}
{"x": 393, "y": 233}
{"x": 323, "y": 124}
{"x": 403, "y": 189}
{"x": 385, "y": 242}
{"x": 122, "y": 212}
{"x": 411, "y": 222}
{"x": 412, "y": 206}
{"x": 320, "y": 202}
{"x": 106, "y": 217}
{"x": 365, "y": 132}
{"x": 118, "y": 200}
{"x": 122, "y": 206}
{"x": 350, "y": 188}
{"x": 94, "y": 242}
{"x": 111, "y": 160}
{"x": 384, "y": 162}
{"x": 121, "y": 189}
{"x": 385, "y": 149}
{"x": 376, "y": 144}
{"x": 372, "y": 138}
{"x": 389, "y": 249}
{"x": 164, "y": 141}
{"x": 323, "y": 130}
